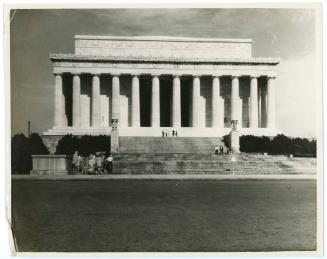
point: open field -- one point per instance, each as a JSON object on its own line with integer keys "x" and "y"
{"x": 164, "y": 215}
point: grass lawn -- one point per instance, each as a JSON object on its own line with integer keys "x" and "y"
{"x": 159, "y": 215}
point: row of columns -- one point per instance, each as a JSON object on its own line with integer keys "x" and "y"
{"x": 217, "y": 101}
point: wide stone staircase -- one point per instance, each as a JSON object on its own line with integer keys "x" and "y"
{"x": 187, "y": 163}
{"x": 169, "y": 145}
{"x": 189, "y": 155}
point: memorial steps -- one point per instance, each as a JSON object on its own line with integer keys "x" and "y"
{"x": 191, "y": 163}
{"x": 151, "y": 145}
{"x": 195, "y": 155}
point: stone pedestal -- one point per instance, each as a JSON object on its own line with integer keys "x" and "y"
{"x": 235, "y": 141}
{"x": 51, "y": 165}
{"x": 114, "y": 137}
{"x": 234, "y": 136}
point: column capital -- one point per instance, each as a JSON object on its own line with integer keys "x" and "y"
{"x": 217, "y": 75}
{"x": 76, "y": 74}
{"x": 235, "y": 76}
{"x": 135, "y": 74}
{"x": 254, "y": 76}
{"x": 95, "y": 73}
{"x": 176, "y": 75}
{"x": 155, "y": 74}
{"x": 57, "y": 73}
{"x": 115, "y": 74}
{"x": 196, "y": 75}
{"x": 271, "y": 77}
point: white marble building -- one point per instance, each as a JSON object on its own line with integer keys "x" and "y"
{"x": 146, "y": 84}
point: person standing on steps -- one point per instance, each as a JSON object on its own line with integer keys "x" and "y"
{"x": 98, "y": 164}
{"x": 91, "y": 164}
{"x": 75, "y": 161}
{"x": 221, "y": 150}
{"x": 163, "y": 133}
{"x": 173, "y": 133}
{"x": 109, "y": 163}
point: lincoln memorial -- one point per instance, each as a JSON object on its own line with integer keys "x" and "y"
{"x": 140, "y": 86}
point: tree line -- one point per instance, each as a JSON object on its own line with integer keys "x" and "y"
{"x": 280, "y": 144}
{"x": 85, "y": 145}
{"x": 22, "y": 147}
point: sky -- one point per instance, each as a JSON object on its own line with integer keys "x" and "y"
{"x": 289, "y": 34}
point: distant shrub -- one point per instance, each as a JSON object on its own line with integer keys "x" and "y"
{"x": 37, "y": 145}
{"x": 226, "y": 140}
{"x": 85, "y": 145}
{"x": 22, "y": 149}
{"x": 254, "y": 144}
{"x": 280, "y": 144}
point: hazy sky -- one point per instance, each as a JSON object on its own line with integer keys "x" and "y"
{"x": 285, "y": 33}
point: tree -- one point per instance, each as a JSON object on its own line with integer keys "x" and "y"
{"x": 37, "y": 146}
{"x": 22, "y": 149}
{"x": 85, "y": 145}
{"x": 21, "y": 161}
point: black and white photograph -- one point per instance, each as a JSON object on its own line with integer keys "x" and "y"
{"x": 160, "y": 129}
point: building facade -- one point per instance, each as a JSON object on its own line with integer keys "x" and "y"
{"x": 141, "y": 85}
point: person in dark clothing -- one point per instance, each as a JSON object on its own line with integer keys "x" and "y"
{"x": 221, "y": 148}
{"x": 109, "y": 164}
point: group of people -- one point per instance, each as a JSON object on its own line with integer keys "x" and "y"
{"x": 219, "y": 150}
{"x": 165, "y": 133}
{"x": 98, "y": 163}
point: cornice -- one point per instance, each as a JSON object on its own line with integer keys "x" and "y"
{"x": 83, "y": 58}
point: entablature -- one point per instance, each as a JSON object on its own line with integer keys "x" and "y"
{"x": 74, "y": 67}
{"x": 159, "y": 59}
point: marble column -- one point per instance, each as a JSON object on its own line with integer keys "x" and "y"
{"x": 196, "y": 102}
{"x": 176, "y": 103}
{"x": 217, "y": 104}
{"x": 263, "y": 106}
{"x": 235, "y": 99}
{"x": 254, "y": 103}
{"x": 271, "y": 103}
{"x": 58, "y": 118}
{"x": 155, "y": 102}
{"x": 115, "y": 97}
{"x": 76, "y": 100}
{"x": 135, "y": 101}
{"x": 96, "y": 101}
{"x": 259, "y": 108}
